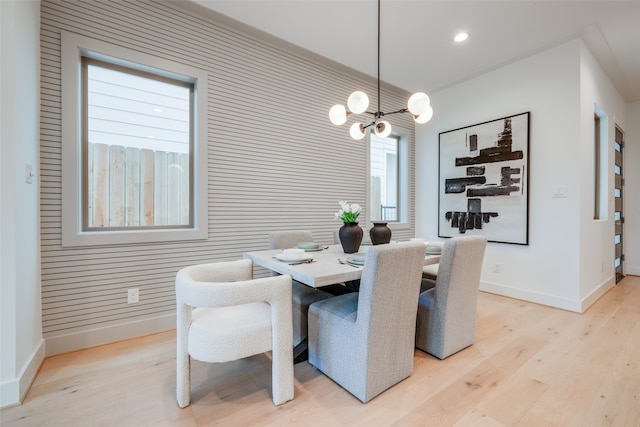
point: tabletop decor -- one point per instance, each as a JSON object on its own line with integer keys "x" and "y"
{"x": 380, "y": 233}
{"x": 350, "y": 233}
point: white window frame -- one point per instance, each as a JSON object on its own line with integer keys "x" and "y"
{"x": 75, "y": 46}
{"x": 404, "y": 219}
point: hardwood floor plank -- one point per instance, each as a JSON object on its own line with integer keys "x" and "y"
{"x": 531, "y": 365}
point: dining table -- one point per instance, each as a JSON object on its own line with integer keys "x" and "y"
{"x": 328, "y": 265}
{"x": 324, "y": 266}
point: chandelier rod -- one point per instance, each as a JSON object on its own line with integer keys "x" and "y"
{"x": 378, "y": 112}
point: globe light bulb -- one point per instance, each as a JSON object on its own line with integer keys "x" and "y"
{"x": 356, "y": 131}
{"x": 424, "y": 117}
{"x": 338, "y": 114}
{"x": 418, "y": 103}
{"x": 383, "y": 128}
{"x": 460, "y": 37}
{"x": 358, "y": 102}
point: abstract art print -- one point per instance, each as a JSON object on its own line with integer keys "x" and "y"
{"x": 484, "y": 179}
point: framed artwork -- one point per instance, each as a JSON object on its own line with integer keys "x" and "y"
{"x": 484, "y": 180}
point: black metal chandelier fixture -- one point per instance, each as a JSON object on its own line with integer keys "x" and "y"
{"x": 418, "y": 105}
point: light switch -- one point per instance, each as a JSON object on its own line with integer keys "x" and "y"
{"x": 28, "y": 173}
{"x": 559, "y": 191}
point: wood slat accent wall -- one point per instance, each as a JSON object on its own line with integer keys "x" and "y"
{"x": 275, "y": 162}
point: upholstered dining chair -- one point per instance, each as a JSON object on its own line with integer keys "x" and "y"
{"x": 364, "y": 341}
{"x": 224, "y": 314}
{"x": 446, "y": 321}
{"x": 302, "y": 295}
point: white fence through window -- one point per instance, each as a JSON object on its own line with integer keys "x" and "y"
{"x": 132, "y": 187}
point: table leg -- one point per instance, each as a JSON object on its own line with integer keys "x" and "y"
{"x": 301, "y": 352}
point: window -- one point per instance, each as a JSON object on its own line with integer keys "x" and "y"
{"x": 134, "y": 146}
{"x": 137, "y": 144}
{"x": 388, "y": 171}
{"x": 600, "y": 206}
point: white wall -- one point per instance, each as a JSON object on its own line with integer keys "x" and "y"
{"x": 548, "y": 84}
{"x": 631, "y": 202}
{"x": 21, "y": 340}
{"x": 597, "y": 250}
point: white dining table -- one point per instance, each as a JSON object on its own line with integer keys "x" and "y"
{"x": 324, "y": 270}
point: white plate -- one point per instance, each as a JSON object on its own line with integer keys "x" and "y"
{"x": 434, "y": 253}
{"x": 309, "y": 246}
{"x": 350, "y": 260}
{"x": 313, "y": 250}
{"x": 293, "y": 258}
{"x": 355, "y": 264}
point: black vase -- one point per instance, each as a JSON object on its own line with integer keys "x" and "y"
{"x": 380, "y": 233}
{"x": 350, "y": 237}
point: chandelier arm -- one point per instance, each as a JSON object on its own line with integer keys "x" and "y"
{"x": 373, "y": 123}
{"x": 403, "y": 110}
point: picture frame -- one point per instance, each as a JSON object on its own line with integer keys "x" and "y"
{"x": 484, "y": 180}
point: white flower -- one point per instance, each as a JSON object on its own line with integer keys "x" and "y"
{"x": 347, "y": 212}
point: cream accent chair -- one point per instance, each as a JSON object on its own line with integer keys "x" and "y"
{"x": 224, "y": 314}
{"x": 364, "y": 340}
{"x": 302, "y": 295}
{"x": 447, "y": 313}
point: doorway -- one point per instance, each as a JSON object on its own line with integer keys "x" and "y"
{"x": 618, "y": 213}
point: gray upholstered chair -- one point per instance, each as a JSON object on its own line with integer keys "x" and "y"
{"x": 364, "y": 341}
{"x": 446, "y": 320}
{"x": 302, "y": 295}
{"x": 224, "y": 314}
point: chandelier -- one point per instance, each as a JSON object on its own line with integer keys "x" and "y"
{"x": 418, "y": 105}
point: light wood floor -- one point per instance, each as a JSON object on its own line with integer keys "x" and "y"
{"x": 530, "y": 366}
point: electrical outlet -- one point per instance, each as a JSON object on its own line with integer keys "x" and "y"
{"x": 133, "y": 295}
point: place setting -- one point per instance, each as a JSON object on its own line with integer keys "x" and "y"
{"x": 295, "y": 256}
{"x": 355, "y": 260}
{"x": 431, "y": 248}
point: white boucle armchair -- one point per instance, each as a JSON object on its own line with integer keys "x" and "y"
{"x": 224, "y": 314}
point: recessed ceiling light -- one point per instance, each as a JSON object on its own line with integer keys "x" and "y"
{"x": 157, "y": 110}
{"x": 460, "y": 37}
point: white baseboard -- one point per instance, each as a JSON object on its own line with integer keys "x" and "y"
{"x": 538, "y": 298}
{"x": 633, "y": 270}
{"x": 13, "y": 392}
{"x": 597, "y": 293}
{"x": 578, "y": 306}
{"x": 93, "y": 337}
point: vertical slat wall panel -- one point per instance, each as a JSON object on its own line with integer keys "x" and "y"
{"x": 274, "y": 159}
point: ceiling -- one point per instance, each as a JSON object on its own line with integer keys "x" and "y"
{"x": 417, "y": 48}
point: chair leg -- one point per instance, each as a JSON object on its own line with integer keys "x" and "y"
{"x": 183, "y": 379}
{"x": 282, "y": 373}
{"x": 183, "y": 360}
